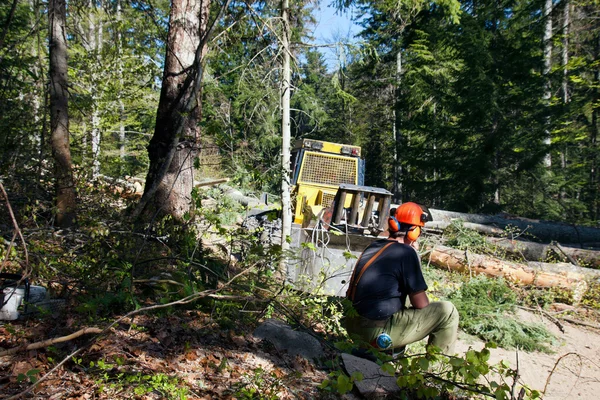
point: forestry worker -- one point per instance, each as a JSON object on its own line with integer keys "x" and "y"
{"x": 389, "y": 271}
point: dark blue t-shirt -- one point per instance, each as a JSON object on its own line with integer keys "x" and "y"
{"x": 383, "y": 287}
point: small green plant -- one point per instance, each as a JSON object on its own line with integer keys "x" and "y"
{"x": 339, "y": 382}
{"x": 116, "y": 376}
{"x": 30, "y": 376}
{"x": 432, "y": 375}
{"x": 260, "y": 385}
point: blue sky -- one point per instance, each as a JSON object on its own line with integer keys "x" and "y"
{"x": 332, "y": 27}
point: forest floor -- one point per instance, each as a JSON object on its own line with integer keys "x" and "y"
{"x": 202, "y": 352}
{"x": 186, "y": 354}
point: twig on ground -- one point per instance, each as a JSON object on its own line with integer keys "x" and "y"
{"x": 556, "y": 365}
{"x": 516, "y": 377}
{"x": 578, "y": 322}
{"x": 547, "y": 315}
{"x": 186, "y": 300}
{"x": 16, "y": 225}
{"x": 48, "y": 342}
{"x": 562, "y": 250}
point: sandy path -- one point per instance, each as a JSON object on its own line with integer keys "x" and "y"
{"x": 577, "y": 374}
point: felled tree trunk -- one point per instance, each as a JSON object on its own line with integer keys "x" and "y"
{"x": 539, "y": 252}
{"x": 536, "y": 274}
{"x": 544, "y": 231}
{"x": 483, "y": 229}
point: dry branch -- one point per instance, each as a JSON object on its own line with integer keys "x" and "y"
{"x": 16, "y": 226}
{"x": 49, "y": 342}
{"x": 186, "y": 300}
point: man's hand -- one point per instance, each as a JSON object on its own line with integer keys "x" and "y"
{"x": 419, "y": 299}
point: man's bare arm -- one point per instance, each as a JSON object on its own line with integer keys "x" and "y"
{"x": 419, "y": 299}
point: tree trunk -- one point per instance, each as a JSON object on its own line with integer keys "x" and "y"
{"x": 594, "y": 176}
{"x": 95, "y": 48}
{"x": 565, "y": 50}
{"x": 66, "y": 199}
{"x": 544, "y": 231}
{"x": 547, "y": 95}
{"x": 174, "y": 145}
{"x": 285, "y": 129}
{"x": 397, "y": 188}
{"x": 538, "y": 274}
{"x": 531, "y": 251}
{"x": 121, "y": 86}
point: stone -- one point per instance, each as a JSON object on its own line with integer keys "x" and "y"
{"x": 375, "y": 381}
{"x": 284, "y": 338}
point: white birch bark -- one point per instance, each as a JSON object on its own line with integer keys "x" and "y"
{"x": 547, "y": 43}
{"x": 95, "y": 27}
{"x": 121, "y": 84}
{"x": 565, "y": 49}
{"x": 285, "y": 130}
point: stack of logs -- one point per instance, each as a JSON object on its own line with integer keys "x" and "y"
{"x": 568, "y": 275}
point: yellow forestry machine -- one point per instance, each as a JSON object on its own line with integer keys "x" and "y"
{"x": 335, "y": 215}
{"x": 328, "y": 184}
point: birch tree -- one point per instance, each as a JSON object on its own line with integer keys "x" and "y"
{"x": 547, "y": 44}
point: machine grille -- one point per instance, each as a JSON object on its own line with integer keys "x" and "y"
{"x": 327, "y": 170}
{"x": 328, "y": 199}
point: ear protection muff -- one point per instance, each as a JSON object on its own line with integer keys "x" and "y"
{"x": 393, "y": 224}
{"x": 413, "y": 233}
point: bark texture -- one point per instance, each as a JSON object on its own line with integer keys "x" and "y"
{"x": 66, "y": 199}
{"x": 544, "y": 231}
{"x": 174, "y": 145}
{"x": 537, "y": 274}
{"x": 531, "y": 251}
{"x": 286, "y": 87}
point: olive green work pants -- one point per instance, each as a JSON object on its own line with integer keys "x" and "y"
{"x": 439, "y": 321}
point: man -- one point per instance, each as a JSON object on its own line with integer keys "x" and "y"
{"x": 389, "y": 271}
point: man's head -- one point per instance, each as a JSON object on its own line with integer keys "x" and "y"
{"x": 407, "y": 221}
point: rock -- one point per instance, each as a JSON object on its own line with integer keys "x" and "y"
{"x": 284, "y": 338}
{"x": 375, "y": 381}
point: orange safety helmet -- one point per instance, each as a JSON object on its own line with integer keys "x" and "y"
{"x": 412, "y": 214}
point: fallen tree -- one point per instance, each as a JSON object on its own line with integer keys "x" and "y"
{"x": 544, "y": 231}
{"x": 483, "y": 229}
{"x": 567, "y": 276}
{"x": 532, "y": 251}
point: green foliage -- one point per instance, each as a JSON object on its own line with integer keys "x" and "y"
{"x": 432, "y": 375}
{"x": 591, "y": 298}
{"x": 31, "y": 376}
{"x": 487, "y": 310}
{"x": 116, "y": 377}
{"x": 339, "y": 382}
{"x": 459, "y": 237}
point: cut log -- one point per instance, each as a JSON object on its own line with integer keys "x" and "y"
{"x": 483, "y": 229}
{"x": 531, "y": 251}
{"x": 544, "y": 231}
{"x": 537, "y": 274}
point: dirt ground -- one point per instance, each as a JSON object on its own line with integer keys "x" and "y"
{"x": 213, "y": 363}
{"x": 571, "y": 372}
